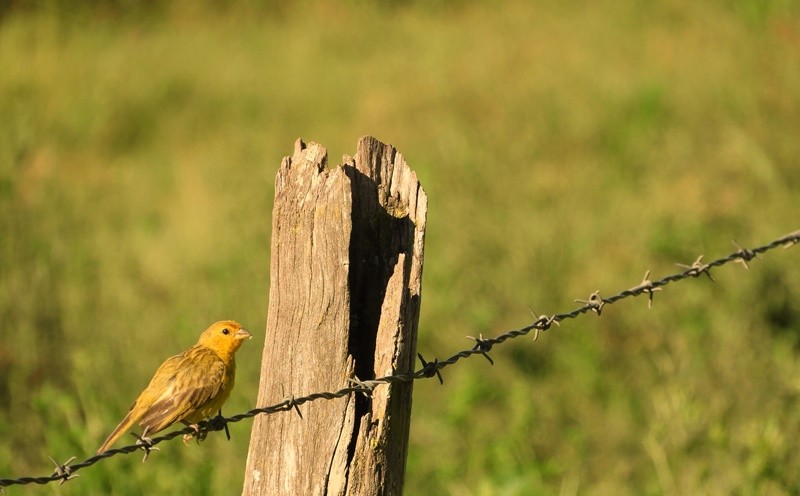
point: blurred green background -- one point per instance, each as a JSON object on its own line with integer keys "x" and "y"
{"x": 565, "y": 147}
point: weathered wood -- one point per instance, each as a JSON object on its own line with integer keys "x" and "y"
{"x": 345, "y": 286}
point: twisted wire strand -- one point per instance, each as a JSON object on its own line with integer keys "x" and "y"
{"x": 66, "y": 471}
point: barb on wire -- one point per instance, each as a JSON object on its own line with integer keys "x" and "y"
{"x": 291, "y": 404}
{"x": 542, "y": 323}
{"x": 430, "y": 369}
{"x": 365, "y": 387}
{"x": 791, "y": 239}
{"x": 744, "y": 254}
{"x": 482, "y": 347}
{"x": 646, "y": 286}
{"x": 63, "y": 471}
{"x": 595, "y": 303}
{"x": 697, "y": 268}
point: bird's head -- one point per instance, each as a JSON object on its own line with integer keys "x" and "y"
{"x": 224, "y": 337}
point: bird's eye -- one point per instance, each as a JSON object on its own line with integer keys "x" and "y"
{"x": 226, "y": 331}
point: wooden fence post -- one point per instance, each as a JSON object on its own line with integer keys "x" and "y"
{"x": 345, "y": 286}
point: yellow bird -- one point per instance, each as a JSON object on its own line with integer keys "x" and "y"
{"x": 188, "y": 387}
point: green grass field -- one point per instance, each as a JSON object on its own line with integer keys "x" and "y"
{"x": 565, "y": 147}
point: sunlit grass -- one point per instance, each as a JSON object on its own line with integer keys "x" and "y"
{"x": 565, "y": 148}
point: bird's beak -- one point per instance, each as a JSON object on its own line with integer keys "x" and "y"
{"x": 242, "y": 334}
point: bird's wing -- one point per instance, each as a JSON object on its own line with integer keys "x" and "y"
{"x": 189, "y": 381}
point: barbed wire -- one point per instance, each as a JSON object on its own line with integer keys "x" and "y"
{"x": 595, "y": 303}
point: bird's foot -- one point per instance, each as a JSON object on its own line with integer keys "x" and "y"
{"x": 146, "y": 443}
{"x": 197, "y": 434}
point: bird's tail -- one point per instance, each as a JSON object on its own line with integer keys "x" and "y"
{"x": 123, "y": 427}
